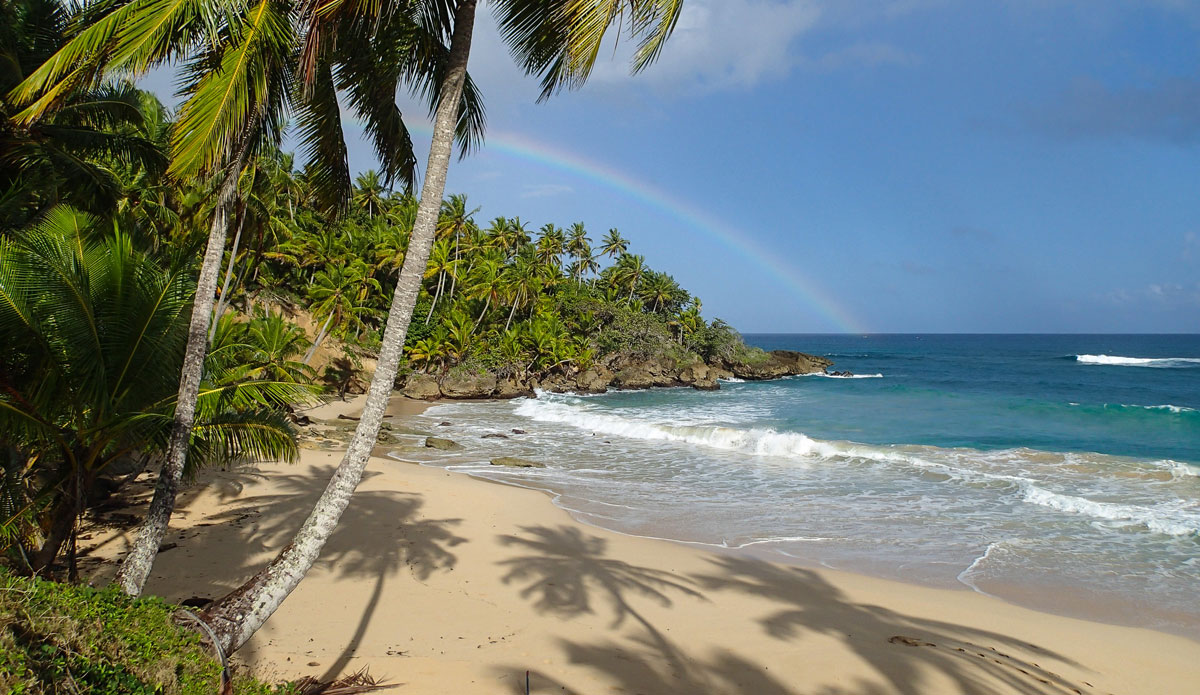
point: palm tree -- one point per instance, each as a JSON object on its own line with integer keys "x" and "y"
{"x": 559, "y": 40}
{"x": 551, "y": 245}
{"x": 614, "y": 244}
{"x": 457, "y": 219}
{"x": 369, "y": 192}
{"x": 337, "y": 293}
{"x": 579, "y": 247}
{"x": 241, "y": 68}
{"x": 441, "y": 266}
{"x": 661, "y": 291}
{"x": 273, "y": 343}
{"x": 96, "y": 334}
{"x": 487, "y": 284}
{"x": 629, "y": 271}
{"x": 522, "y": 282}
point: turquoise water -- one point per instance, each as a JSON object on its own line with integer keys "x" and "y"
{"x": 997, "y": 391}
{"x": 1059, "y": 472}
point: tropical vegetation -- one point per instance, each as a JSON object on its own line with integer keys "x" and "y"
{"x": 141, "y": 339}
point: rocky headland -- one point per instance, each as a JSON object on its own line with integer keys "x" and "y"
{"x": 617, "y": 372}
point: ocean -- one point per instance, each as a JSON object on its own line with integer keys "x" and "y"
{"x": 1060, "y": 472}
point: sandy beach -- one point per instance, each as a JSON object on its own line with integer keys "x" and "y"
{"x": 440, "y": 583}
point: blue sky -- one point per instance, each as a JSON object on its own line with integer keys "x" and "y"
{"x": 884, "y": 166}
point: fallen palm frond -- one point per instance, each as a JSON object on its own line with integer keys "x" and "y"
{"x": 360, "y": 682}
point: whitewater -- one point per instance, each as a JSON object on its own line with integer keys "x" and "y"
{"x": 989, "y": 463}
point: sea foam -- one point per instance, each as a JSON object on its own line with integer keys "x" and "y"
{"x": 1172, "y": 520}
{"x": 1119, "y": 361}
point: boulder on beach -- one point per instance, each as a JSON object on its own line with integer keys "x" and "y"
{"x": 465, "y": 385}
{"x": 422, "y": 387}
{"x": 514, "y": 462}
{"x": 512, "y": 387}
{"x": 442, "y": 444}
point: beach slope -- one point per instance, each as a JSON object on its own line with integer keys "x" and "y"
{"x": 441, "y": 583}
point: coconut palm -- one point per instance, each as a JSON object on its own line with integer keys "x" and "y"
{"x": 614, "y": 245}
{"x": 441, "y": 265}
{"x": 551, "y": 245}
{"x": 628, "y": 272}
{"x": 370, "y": 192}
{"x": 456, "y": 220}
{"x": 241, "y": 67}
{"x": 96, "y": 333}
{"x": 579, "y": 247}
{"x": 487, "y": 283}
{"x": 522, "y": 282}
{"x": 557, "y": 39}
{"x": 661, "y": 292}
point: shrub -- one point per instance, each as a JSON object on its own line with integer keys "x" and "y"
{"x": 65, "y": 638}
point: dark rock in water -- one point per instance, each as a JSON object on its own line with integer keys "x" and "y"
{"x": 514, "y": 462}
{"x": 468, "y": 385}
{"x": 518, "y": 431}
{"x": 444, "y": 424}
{"x": 494, "y": 435}
{"x": 422, "y": 387}
{"x": 442, "y": 444}
{"x": 778, "y": 363}
{"x": 301, "y": 419}
{"x": 841, "y": 374}
{"x": 383, "y": 437}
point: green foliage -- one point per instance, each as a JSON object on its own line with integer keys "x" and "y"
{"x": 97, "y": 331}
{"x": 65, "y": 639}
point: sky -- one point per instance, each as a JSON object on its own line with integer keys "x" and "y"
{"x": 875, "y": 165}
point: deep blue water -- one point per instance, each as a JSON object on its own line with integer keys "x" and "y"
{"x": 1000, "y": 391}
{"x": 1060, "y": 472}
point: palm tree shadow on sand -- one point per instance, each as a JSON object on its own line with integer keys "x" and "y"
{"x": 564, "y": 571}
{"x": 899, "y": 647}
{"x": 254, "y": 525}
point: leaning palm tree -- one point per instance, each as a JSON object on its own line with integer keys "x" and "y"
{"x": 557, "y": 39}
{"x": 242, "y": 63}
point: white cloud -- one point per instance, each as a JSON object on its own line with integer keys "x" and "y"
{"x": 545, "y": 190}
{"x": 720, "y": 44}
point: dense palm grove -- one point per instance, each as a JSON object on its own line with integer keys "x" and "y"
{"x": 99, "y": 252}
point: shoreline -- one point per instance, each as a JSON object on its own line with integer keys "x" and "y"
{"x": 477, "y": 583}
{"x": 1086, "y": 608}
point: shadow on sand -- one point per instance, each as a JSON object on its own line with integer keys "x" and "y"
{"x": 563, "y": 571}
{"x": 380, "y": 533}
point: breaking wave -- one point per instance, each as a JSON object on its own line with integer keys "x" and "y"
{"x": 1119, "y": 361}
{"x": 1172, "y": 520}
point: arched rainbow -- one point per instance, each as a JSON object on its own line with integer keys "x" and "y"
{"x": 812, "y": 295}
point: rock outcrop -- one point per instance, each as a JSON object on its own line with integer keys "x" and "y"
{"x": 423, "y": 387}
{"x": 618, "y": 372}
{"x": 468, "y": 385}
{"x": 778, "y": 363}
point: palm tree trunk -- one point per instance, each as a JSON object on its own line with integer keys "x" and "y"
{"x": 320, "y": 336}
{"x": 510, "y": 316}
{"x": 136, "y": 566}
{"x": 223, "y": 302}
{"x": 486, "y": 304}
{"x": 454, "y": 276}
{"x": 240, "y": 614}
{"x": 436, "y": 297}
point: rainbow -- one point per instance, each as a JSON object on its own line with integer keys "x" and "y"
{"x": 653, "y": 197}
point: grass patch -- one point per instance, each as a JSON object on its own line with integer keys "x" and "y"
{"x": 70, "y": 639}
